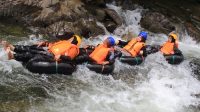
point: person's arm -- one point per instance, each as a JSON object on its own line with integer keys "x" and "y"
{"x": 122, "y": 43}
{"x": 43, "y": 44}
{"x": 110, "y": 59}
{"x": 143, "y": 51}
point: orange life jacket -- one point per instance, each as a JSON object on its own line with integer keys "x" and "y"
{"x": 100, "y": 53}
{"x": 168, "y": 47}
{"x": 134, "y": 47}
{"x": 63, "y": 48}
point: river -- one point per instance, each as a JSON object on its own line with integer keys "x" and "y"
{"x": 154, "y": 86}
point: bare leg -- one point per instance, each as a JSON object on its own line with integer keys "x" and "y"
{"x": 6, "y": 45}
{"x": 10, "y": 53}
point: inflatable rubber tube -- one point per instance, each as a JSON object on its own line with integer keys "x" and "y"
{"x": 50, "y": 68}
{"x": 103, "y": 69}
{"x": 131, "y": 60}
{"x": 174, "y": 59}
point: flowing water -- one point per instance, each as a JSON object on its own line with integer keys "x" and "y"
{"x": 154, "y": 86}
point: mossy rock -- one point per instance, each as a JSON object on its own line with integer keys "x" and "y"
{"x": 37, "y": 92}
{"x": 12, "y": 29}
{"x": 11, "y": 94}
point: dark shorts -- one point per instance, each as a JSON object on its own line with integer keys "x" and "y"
{"x": 25, "y": 53}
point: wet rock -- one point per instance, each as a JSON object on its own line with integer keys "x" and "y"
{"x": 156, "y": 22}
{"x": 179, "y": 11}
{"x": 11, "y": 94}
{"x": 193, "y": 30}
{"x": 112, "y": 14}
{"x": 108, "y": 17}
{"x": 96, "y": 3}
{"x": 195, "y": 65}
{"x": 43, "y": 13}
{"x": 85, "y": 28}
{"x": 100, "y": 14}
{"x": 109, "y": 1}
{"x": 110, "y": 26}
{"x": 127, "y": 4}
{"x": 88, "y": 28}
{"x": 37, "y": 92}
{"x": 111, "y": 20}
{"x": 52, "y": 16}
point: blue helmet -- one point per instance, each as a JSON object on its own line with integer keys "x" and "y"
{"x": 143, "y": 34}
{"x": 111, "y": 41}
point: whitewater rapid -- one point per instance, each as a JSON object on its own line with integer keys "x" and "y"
{"x": 154, "y": 86}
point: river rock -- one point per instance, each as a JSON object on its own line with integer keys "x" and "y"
{"x": 112, "y": 20}
{"x": 37, "y": 92}
{"x": 156, "y": 22}
{"x": 127, "y": 4}
{"x": 193, "y": 30}
{"x": 96, "y": 3}
{"x": 112, "y": 14}
{"x": 195, "y": 65}
{"x": 110, "y": 26}
{"x": 100, "y": 14}
{"x": 85, "y": 28}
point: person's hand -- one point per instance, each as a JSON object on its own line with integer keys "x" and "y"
{"x": 116, "y": 42}
{"x": 41, "y": 44}
{"x": 105, "y": 63}
{"x": 172, "y": 52}
{"x": 141, "y": 52}
{"x": 57, "y": 57}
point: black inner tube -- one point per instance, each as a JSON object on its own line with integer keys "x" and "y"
{"x": 176, "y": 58}
{"x": 132, "y": 60}
{"x": 38, "y": 65}
{"x": 103, "y": 69}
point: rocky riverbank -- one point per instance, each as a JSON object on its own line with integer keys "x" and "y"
{"x": 81, "y": 16}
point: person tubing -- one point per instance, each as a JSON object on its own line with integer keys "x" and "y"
{"x": 168, "y": 47}
{"x": 134, "y": 46}
{"x": 66, "y": 47}
{"x": 100, "y": 53}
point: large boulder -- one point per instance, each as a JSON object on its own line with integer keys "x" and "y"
{"x": 51, "y": 16}
{"x": 85, "y": 28}
{"x": 156, "y": 22}
{"x": 127, "y": 4}
{"x": 108, "y": 17}
{"x": 112, "y": 14}
{"x": 184, "y": 11}
{"x": 193, "y": 30}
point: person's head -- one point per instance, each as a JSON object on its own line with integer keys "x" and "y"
{"x": 110, "y": 41}
{"x": 142, "y": 36}
{"x": 76, "y": 40}
{"x": 172, "y": 37}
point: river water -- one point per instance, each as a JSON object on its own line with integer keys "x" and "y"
{"x": 154, "y": 86}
